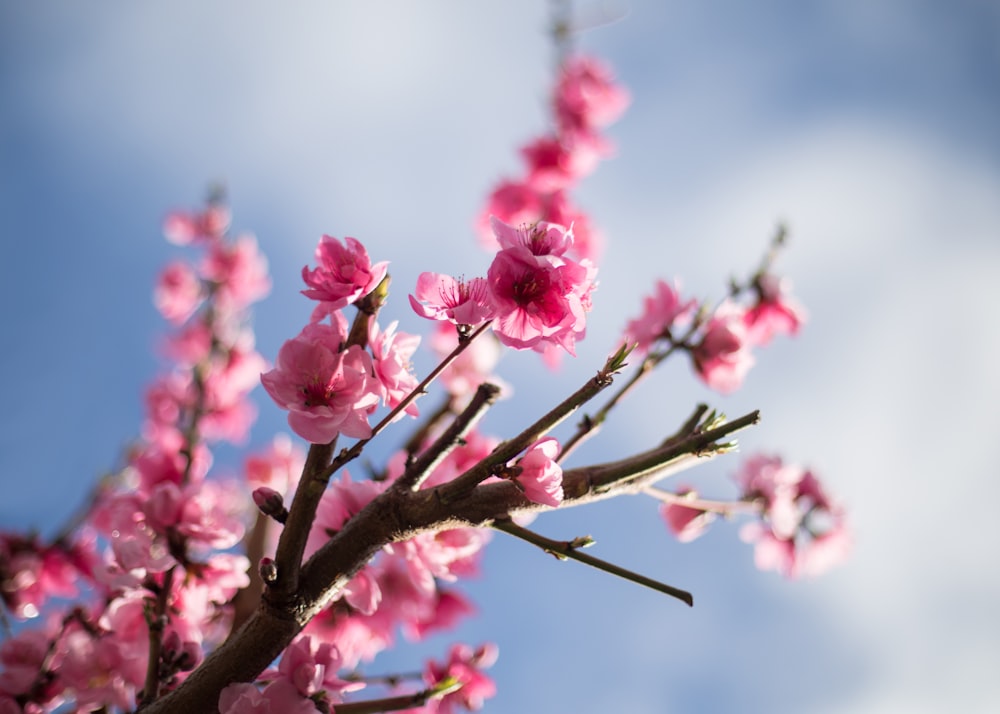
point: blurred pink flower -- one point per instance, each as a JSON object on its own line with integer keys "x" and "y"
{"x": 775, "y": 312}
{"x": 662, "y": 312}
{"x": 722, "y": 358}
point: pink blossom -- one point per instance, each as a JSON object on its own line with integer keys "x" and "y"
{"x": 343, "y": 274}
{"x": 587, "y": 240}
{"x": 801, "y": 531}
{"x": 391, "y": 353}
{"x": 775, "y": 312}
{"x": 587, "y": 97}
{"x": 243, "y": 698}
{"x": 178, "y": 292}
{"x": 22, "y": 657}
{"x": 448, "y": 608}
{"x": 185, "y": 227}
{"x": 539, "y": 296}
{"x": 686, "y": 522}
{"x": 278, "y": 467}
{"x": 464, "y": 665}
{"x": 326, "y": 391}
{"x": 442, "y": 297}
{"x": 722, "y": 358}
{"x": 554, "y": 164}
{"x": 663, "y": 312}
{"x": 541, "y": 476}
{"x": 540, "y": 238}
{"x": 279, "y": 697}
{"x": 512, "y": 202}
{"x": 311, "y": 666}
{"x": 239, "y": 271}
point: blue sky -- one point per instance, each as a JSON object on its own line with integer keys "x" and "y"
{"x": 870, "y": 127}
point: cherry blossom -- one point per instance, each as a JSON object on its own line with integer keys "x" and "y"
{"x": 541, "y": 476}
{"x": 801, "y": 531}
{"x": 178, "y": 292}
{"x": 343, "y": 273}
{"x": 466, "y": 666}
{"x": 662, "y": 313}
{"x": 775, "y": 312}
{"x": 186, "y": 227}
{"x": 325, "y": 391}
{"x": 586, "y": 96}
{"x": 539, "y": 295}
{"x": 686, "y": 522}
{"x": 722, "y": 358}
{"x": 442, "y": 297}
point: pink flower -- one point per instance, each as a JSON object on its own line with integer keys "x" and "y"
{"x": 312, "y": 667}
{"x": 178, "y": 292}
{"x": 541, "y": 476}
{"x": 239, "y": 271}
{"x": 185, "y": 227}
{"x": 685, "y": 522}
{"x": 776, "y": 312}
{"x": 554, "y": 165}
{"x": 722, "y": 358}
{"x": 540, "y": 238}
{"x": 539, "y": 296}
{"x": 464, "y": 665}
{"x": 277, "y": 468}
{"x": 587, "y": 97}
{"x": 801, "y": 531}
{"x": 326, "y": 391}
{"x": 587, "y": 241}
{"x": 392, "y": 352}
{"x": 442, "y": 297}
{"x": 512, "y": 202}
{"x": 663, "y": 311}
{"x": 343, "y": 273}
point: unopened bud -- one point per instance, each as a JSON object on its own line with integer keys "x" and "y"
{"x": 268, "y": 570}
{"x": 270, "y": 503}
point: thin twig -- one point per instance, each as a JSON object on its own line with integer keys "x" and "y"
{"x": 570, "y": 549}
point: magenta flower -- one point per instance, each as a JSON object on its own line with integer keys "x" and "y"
{"x": 442, "y": 297}
{"x": 538, "y": 295}
{"x": 326, "y": 391}
{"x": 343, "y": 273}
{"x": 554, "y": 165}
{"x": 662, "y": 312}
{"x": 587, "y": 97}
{"x": 722, "y": 358}
{"x": 776, "y": 312}
{"x": 541, "y": 476}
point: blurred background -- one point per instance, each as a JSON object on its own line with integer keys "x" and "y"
{"x": 871, "y": 128}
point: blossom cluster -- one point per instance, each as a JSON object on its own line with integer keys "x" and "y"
{"x": 170, "y": 559}
{"x": 721, "y": 341}
{"x": 152, "y": 546}
{"x": 586, "y": 99}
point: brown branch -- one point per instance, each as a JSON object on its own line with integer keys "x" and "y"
{"x": 397, "y": 515}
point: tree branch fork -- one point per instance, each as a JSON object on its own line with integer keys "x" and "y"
{"x": 400, "y": 513}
